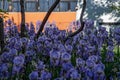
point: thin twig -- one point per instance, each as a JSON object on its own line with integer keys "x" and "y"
{"x": 81, "y": 20}
{"x": 46, "y": 17}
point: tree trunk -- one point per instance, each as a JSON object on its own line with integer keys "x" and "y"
{"x": 1, "y": 34}
{"x": 22, "y": 18}
{"x": 46, "y": 17}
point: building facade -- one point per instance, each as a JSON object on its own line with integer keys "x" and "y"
{"x": 38, "y": 5}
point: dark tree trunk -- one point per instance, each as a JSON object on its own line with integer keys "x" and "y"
{"x": 46, "y": 17}
{"x": 81, "y": 21}
{"x": 1, "y": 34}
{"x": 23, "y": 30}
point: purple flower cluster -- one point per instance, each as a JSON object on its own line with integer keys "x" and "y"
{"x": 89, "y": 55}
{"x": 117, "y": 35}
{"x": 18, "y": 64}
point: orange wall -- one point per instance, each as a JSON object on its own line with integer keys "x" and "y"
{"x": 62, "y": 19}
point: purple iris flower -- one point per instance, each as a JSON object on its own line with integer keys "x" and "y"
{"x": 65, "y": 57}
{"x": 91, "y": 48}
{"x": 45, "y": 75}
{"x": 117, "y": 35}
{"x": 110, "y": 48}
{"x": 73, "y": 74}
{"x": 40, "y": 65}
{"x": 12, "y": 53}
{"x": 12, "y": 40}
{"x": 61, "y": 47}
{"x": 33, "y": 75}
{"x": 54, "y": 54}
{"x": 67, "y": 66}
{"x": 9, "y": 21}
{"x": 101, "y": 29}
{"x": 62, "y": 35}
{"x": 99, "y": 72}
{"x": 38, "y": 23}
{"x": 110, "y": 41}
{"x": 32, "y": 30}
{"x": 16, "y": 70}
{"x": 24, "y": 41}
{"x": 18, "y": 46}
{"x": 99, "y": 68}
{"x": 89, "y": 24}
{"x": 19, "y": 60}
{"x": 4, "y": 71}
{"x": 69, "y": 48}
{"x": 94, "y": 58}
{"x": 54, "y": 57}
{"x": 30, "y": 45}
{"x": 103, "y": 33}
{"x": 110, "y": 56}
{"x": 39, "y": 47}
{"x": 80, "y": 62}
{"x": 29, "y": 53}
{"x": 99, "y": 77}
{"x": 42, "y": 39}
{"x": 3, "y": 67}
{"x": 89, "y": 73}
{"x": 90, "y": 64}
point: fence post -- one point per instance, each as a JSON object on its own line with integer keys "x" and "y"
{"x": 1, "y": 35}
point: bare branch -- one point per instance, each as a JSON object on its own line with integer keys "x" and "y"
{"x": 46, "y": 17}
{"x": 1, "y": 34}
{"x": 81, "y": 20}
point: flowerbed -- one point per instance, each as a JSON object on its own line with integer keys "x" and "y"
{"x": 93, "y": 54}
